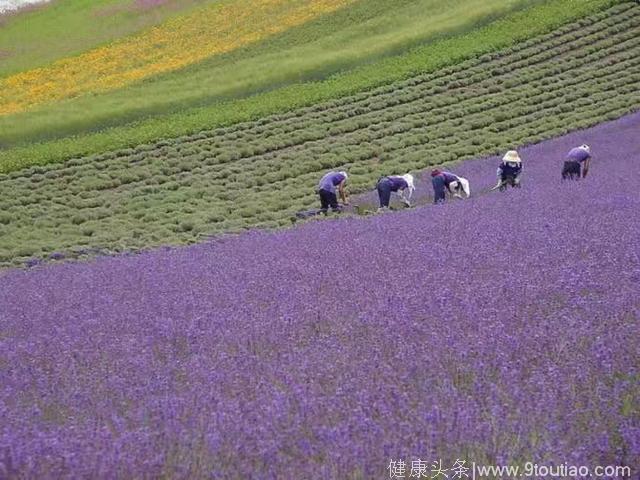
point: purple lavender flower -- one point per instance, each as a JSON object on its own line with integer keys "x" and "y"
{"x": 501, "y": 328}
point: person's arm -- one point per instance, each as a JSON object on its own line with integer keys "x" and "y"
{"x": 343, "y": 193}
{"x": 405, "y": 196}
{"x": 585, "y": 169}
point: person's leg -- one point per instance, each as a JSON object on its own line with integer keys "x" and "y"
{"x": 438, "y": 190}
{"x": 333, "y": 202}
{"x": 384, "y": 193}
{"x": 324, "y": 201}
{"x": 575, "y": 170}
{"x": 566, "y": 170}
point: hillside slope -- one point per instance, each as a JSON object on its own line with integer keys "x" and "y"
{"x": 220, "y": 50}
{"x": 259, "y": 173}
{"x": 496, "y": 329}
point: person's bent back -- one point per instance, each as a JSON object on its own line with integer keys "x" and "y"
{"x": 401, "y": 185}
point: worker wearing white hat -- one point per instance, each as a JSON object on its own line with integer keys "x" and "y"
{"x": 509, "y": 170}
{"x": 444, "y": 181}
{"x": 401, "y": 185}
{"x": 577, "y": 157}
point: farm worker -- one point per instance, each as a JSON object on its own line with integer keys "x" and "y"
{"x": 327, "y": 191}
{"x": 401, "y": 185}
{"x": 509, "y": 170}
{"x": 576, "y": 157}
{"x": 447, "y": 181}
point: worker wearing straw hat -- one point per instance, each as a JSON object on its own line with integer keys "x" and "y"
{"x": 443, "y": 181}
{"x": 577, "y": 157}
{"x": 401, "y": 185}
{"x": 509, "y": 170}
{"x": 327, "y": 191}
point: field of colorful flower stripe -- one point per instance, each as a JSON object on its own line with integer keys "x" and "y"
{"x": 179, "y": 42}
{"x": 47, "y": 31}
{"x": 502, "y": 329}
{"x": 350, "y": 49}
{"x": 260, "y": 173}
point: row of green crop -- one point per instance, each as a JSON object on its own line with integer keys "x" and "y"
{"x": 256, "y": 138}
{"x": 223, "y": 145}
{"x": 516, "y": 27}
{"x": 359, "y": 32}
{"x": 179, "y": 192}
{"x": 195, "y": 158}
{"x": 288, "y": 133}
{"x": 422, "y": 121}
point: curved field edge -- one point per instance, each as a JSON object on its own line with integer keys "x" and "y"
{"x": 258, "y": 174}
{"x": 515, "y": 28}
{"x": 322, "y": 42}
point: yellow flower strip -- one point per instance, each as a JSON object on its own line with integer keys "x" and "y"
{"x": 179, "y": 42}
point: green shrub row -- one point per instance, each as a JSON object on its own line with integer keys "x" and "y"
{"x": 184, "y": 190}
{"x": 514, "y": 28}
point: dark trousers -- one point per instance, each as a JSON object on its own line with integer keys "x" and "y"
{"x": 571, "y": 170}
{"x": 328, "y": 199}
{"x": 508, "y": 179}
{"x": 384, "y": 191}
{"x": 439, "y": 189}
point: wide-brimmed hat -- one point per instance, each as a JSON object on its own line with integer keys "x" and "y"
{"x": 511, "y": 157}
{"x": 585, "y": 147}
{"x": 435, "y": 172}
{"x": 409, "y": 179}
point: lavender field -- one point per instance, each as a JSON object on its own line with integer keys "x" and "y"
{"x": 499, "y": 329}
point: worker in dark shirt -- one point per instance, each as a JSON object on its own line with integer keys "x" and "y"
{"x": 509, "y": 170}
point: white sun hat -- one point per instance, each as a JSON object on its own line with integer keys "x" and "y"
{"x": 409, "y": 179}
{"x": 342, "y": 172}
{"x": 511, "y": 157}
{"x": 585, "y": 147}
{"x": 465, "y": 186}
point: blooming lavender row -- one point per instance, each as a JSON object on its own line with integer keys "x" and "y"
{"x": 499, "y": 329}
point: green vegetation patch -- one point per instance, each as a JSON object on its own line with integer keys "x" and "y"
{"x": 500, "y": 34}
{"x": 257, "y": 174}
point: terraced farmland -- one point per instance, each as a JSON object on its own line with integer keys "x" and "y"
{"x": 257, "y": 174}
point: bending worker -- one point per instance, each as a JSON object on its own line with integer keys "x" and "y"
{"x": 447, "y": 181}
{"x": 401, "y": 185}
{"x": 509, "y": 170}
{"x": 575, "y": 158}
{"x": 327, "y": 191}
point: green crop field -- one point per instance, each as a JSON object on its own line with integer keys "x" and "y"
{"x": 205, "y": 94}
{"x": 257, "y": 173}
